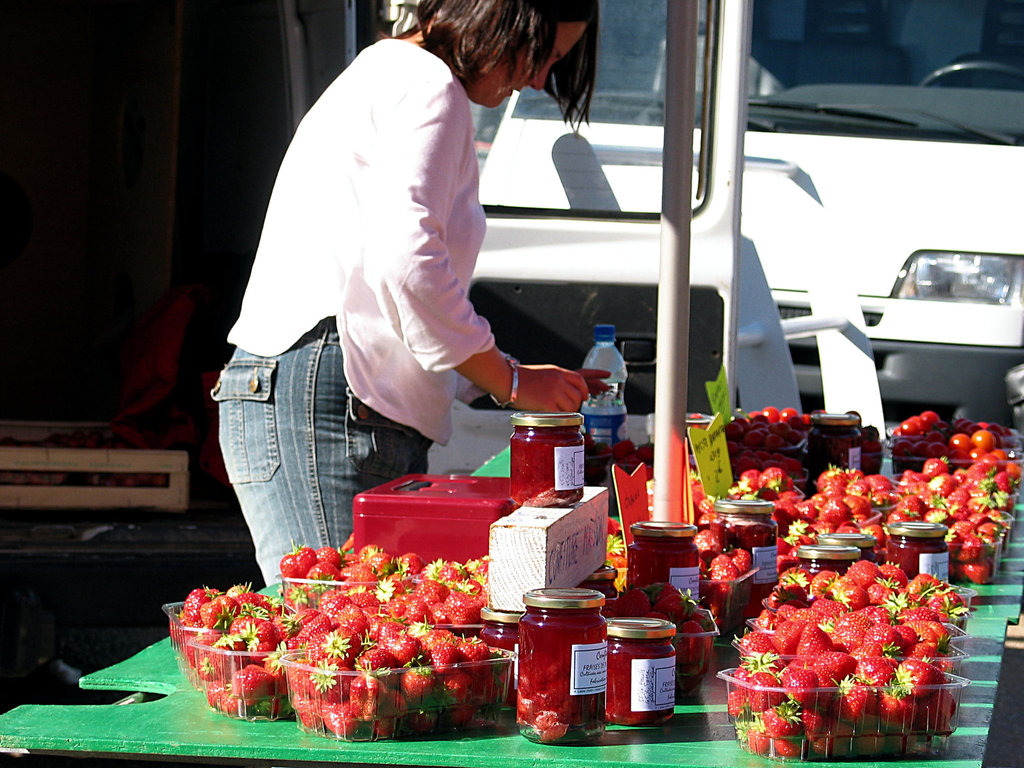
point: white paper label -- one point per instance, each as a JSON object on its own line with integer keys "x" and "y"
{"x": 589, "y": 672}
{"x": 853, "y": 457}
{"x": 569, "y": 467}
{"x": 935, "y": 564}
{"x": 515, "y": 668}
{"x": 652, "y": 684}
{"x": 686, "y": 579}
{"x": 764, "y": 559}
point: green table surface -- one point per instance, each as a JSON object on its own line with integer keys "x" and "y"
{"x": 165, "y": 719}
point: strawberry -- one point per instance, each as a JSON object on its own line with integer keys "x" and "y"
{"x": 190, "y": 615}
{"x": 219, "y": 612}
{"x": 418, "y": 686}
{"x": 410, "y": 564}
{"x": 876, "y": 670}
{"x": 786, "y": 638}
{"x": 296, "y": 564}
{"x": 329, "y": 556}
{"x": 375, "y": 657}
{"x": 404, "y": 648}
{"x": 742, "y": 559}
{"x": 722, "y": 568}
{"x": 753, "y": 642}
{"x": 252, "y": 683}
{"x": 783, "y": 720}
{"x": 813, "y": 641}
{"x": 832, "y": 667}
{"x": 341, "y": 719}
{"x": 258, "y": 635}
{"x": 633, "y": 602}
{"x": 800, "y": 684}
{"x": 858, "y": 704}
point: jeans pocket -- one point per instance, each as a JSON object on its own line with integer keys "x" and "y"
{"x": 248, "y": 425}
{"x": 380, "y": 447}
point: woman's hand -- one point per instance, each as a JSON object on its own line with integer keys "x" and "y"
{"x": 548, "y": 388}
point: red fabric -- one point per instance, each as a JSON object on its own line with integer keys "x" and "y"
{"x": 152, "y": 411}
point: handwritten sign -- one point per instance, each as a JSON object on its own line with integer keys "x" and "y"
{"x": 631, "y": 495}
{"x": 718, "y": 396}
{"x": 712, "y": 456}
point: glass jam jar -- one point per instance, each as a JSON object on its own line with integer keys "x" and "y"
{"x": 663, "y": 551}
{"x": 501, "y": 630}
{"x": 864, "y": 542}
{"x": 603, "y": 580}
{"x": 837, "y": 558}
{"x": 641, "y": 671}
{"x": 748, "y": 524}
{"x": 918, "y": 547}
{"x": 563, "y": 666}
{"x": 833, "y": 441}
{"x": 546, "y": 459}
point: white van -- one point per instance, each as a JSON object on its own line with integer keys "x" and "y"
{"x": 883, "y": 159}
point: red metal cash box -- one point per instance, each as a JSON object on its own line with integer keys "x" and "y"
{"x": 447, "y": 516}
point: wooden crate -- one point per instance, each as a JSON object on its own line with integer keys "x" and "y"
{"x": 35, "y": 476}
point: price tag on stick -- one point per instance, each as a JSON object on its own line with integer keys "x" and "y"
{"x": 631, "y": 496}
{"x": 718, "y": 396}
{"x": 712, "y": 456}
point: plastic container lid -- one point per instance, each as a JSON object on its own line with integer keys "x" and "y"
{"x": 827, "y": 552}
{"x": 835, "y": 419}
{"x": 640, "y": 628}
{"x": 862, "y": 540}
{"x": 663, "y": 529}
{"x": 524, "y": 419}
{"x": 744, "y": 506}
{"x": 563, "y": 597}
{"x": 917, "y": 529}
{"x": 500, "y": 617}
{"x": 604, "y": 332}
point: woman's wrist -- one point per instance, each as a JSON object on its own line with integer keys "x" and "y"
{"x": 513, "y": 393}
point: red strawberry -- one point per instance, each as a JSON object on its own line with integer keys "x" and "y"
{"x": 722, "y": 568}
{"x": 252, "y": 683}
{"x": 633, "y": 602}
{"x": 341, "y": 719}
{"x": 786, "y": 638}
{"x": 783, "y": 720}
{"x": 404, "y": 648}
{"x": 329, "y": 556}
{"x": 813, "y": 641}
{"x": 832, "y": 667}
{"x": 800, "y": 683}
{"x": 418, "y": 686}
{"x": 296, "y": 564}
{"x": 219, "y": 612}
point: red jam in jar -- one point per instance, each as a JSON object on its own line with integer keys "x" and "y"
{"x": 563, "y": 666}
{"x": 837, "y": 558}
{"x": 501, "y": 630}
{"x": 546, "y": 459}
{"x": 748, "y": 524}
{"x": 918, "y": 547}
{"x": 663, "y": 551}
{"x": 864, "y": 542}
{"x": 603, "y": 580}
{"x": 641, "y": 671}
{"x": 834, "y": 441}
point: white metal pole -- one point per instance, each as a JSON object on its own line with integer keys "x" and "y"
{"x": 674, "y": 280}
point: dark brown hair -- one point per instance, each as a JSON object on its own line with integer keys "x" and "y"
{"x": 473, "y": 36}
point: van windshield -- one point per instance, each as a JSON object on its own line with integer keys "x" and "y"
{"x": 934, "y": 70}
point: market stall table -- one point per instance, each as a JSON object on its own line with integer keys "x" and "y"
{"x": 165, "y": 719}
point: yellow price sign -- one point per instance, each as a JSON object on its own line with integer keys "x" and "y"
{"x": 718, "y": 396}
{"x": 712, "y": 456}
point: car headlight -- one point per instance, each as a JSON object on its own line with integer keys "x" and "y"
{"x": 981, "y": 278}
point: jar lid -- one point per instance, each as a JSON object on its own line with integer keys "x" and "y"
{"x": 525, "y": 419}
{"x": 500, "y": 617}
{"x": 917, "y": 529}
{"x": 664, "y": 529}
{"x": 640, "y": 628}
{"x": 702, "y": 420}
{"x": 835, "y": 419}
{"x": 563, "y": 597}
{"x": 827, "y": 552}
{"x": 604, "y": 573}
{"x": 744, "y": 506}
{"x": 862, "y": 540}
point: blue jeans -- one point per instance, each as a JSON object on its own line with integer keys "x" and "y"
{"x": 298, "y": 445}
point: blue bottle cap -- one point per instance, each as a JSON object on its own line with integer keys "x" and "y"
{"x": 604, "y": 333}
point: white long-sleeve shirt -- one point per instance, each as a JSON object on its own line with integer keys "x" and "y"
{"x": 375, "y": 218}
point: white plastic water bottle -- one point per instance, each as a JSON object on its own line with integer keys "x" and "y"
{"x": 604, "y": 414}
